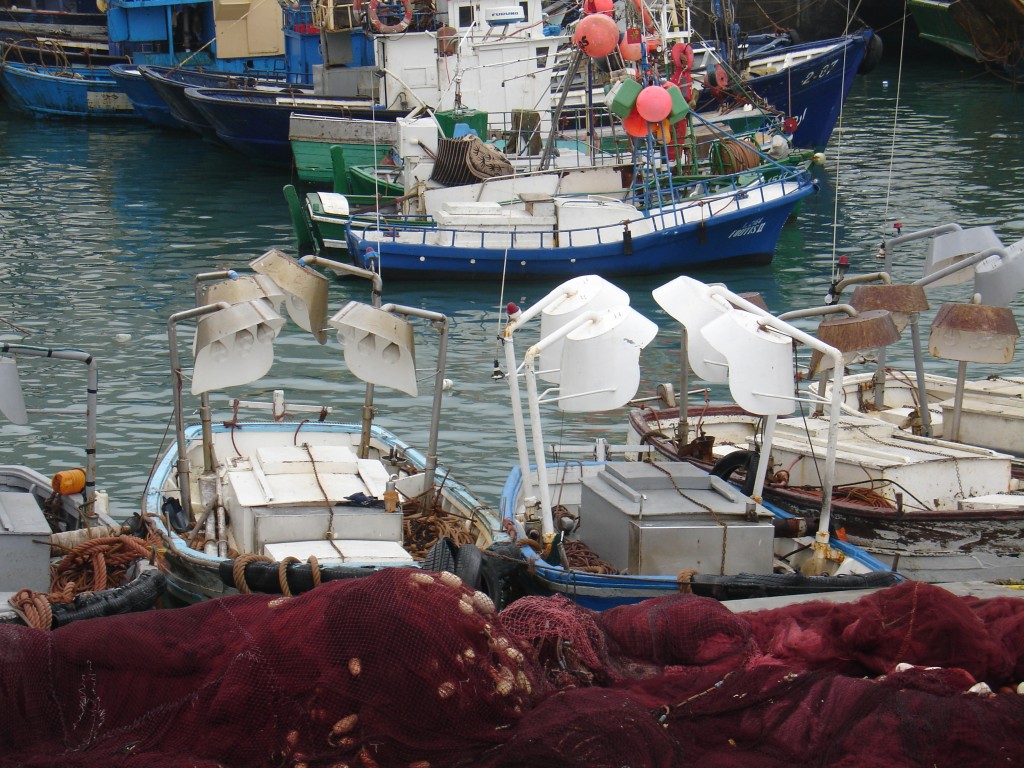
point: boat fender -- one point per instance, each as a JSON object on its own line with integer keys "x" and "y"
{"x": 627, "y": 239}
{"x": 872, "y": 53}
{"x": 468, "y": 563}
{"x": 378, "y": 26}
{"x": 747, "y": 585}
{"x": 501, "y": 569}
{"x": 140, "y": 594}
{"x": 746, "y": 460}
{"x": 441, "y": 556}
{"x": 264, "y": 576}
{"x": 174, "y": 514}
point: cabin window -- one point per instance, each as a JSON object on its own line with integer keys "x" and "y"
{"x": 465, "y": 15}
{"x": 526, "y": 11}
{"x": 542, "y": 58}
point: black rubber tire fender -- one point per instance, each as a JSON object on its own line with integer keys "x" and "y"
{"x": 468, "y": 564}
{"x": 746, "y": 460}
{"x": 501, "y": 566}
{"x": 441, "y": 557}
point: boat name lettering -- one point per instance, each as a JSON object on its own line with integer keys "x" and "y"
{"x": 821, "y": 73}
{"x": 750, "y": 228}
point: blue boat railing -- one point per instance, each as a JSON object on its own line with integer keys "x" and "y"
{"x": 732, "y": 196}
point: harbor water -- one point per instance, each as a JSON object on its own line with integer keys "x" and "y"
{"x": 103, "y": 228}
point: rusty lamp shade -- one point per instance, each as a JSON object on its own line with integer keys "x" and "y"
{"x": 754, "y": 298}
{"x": 901, "y": 300}
{"x": 974, "y": 333}
{"x": 868, "y": 330}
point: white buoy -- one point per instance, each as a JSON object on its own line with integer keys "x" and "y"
{"x": 122, "y": 337}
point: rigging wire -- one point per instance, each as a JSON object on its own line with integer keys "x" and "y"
{"x": 896, "y": 112}
{"x": 839, "y": 152}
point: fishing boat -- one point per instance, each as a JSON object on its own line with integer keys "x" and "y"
{"x": 83, "y": 92}
{"x": 255, "y": 122}
{"x": 281, "y": 505}
{"x": 807, "y": 82}
{"x": 74, "y": 20}
{"x": 940, "y": 510}
{"x": 990, "y": 32}
{"x": 984, "y": 412}
{"x": 168, "y": 85}
{"x": 651, "y": 529}
{"x": 731, "y": 219}
{"x": 62, "y": 557}
{"x": 429, "y": 64}
{"x": 57, "y": 51}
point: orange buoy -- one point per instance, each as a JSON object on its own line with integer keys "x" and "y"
{"x": 635, "y": 125}
{"x": 654, "y": 103}
{"x": 68, "y": 481}
{"x": 596, "y": 35}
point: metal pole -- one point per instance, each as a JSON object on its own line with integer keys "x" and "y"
{"x": 958, "y": 403}
{"x": 922, "y": 391}
{"x": 366, "y": 420}
{"x": 184, "y": 487}
{"x": 441, "y": 322}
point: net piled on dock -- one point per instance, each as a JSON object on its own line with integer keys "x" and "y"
{"x": 408, "y": 668}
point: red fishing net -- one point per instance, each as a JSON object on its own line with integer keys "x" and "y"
{"x": 412, "y": 669}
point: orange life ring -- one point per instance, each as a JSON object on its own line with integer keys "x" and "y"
{"x": 385, "y": 29}
{"x": 648, "y": 21}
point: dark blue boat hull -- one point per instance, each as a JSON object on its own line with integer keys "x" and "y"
{"x": 142, "y": 96}
{"x": 256, "y": 123}
{"x": 747, "y": 236}
{"x": 812, "y": 91}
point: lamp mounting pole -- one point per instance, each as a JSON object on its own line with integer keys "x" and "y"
{"x": 184, "y": 487}
{"x": 366, "y": 421}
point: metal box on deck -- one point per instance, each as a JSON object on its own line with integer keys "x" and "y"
{"x": 24, "y": 551}
{"x": 659, "y": 519}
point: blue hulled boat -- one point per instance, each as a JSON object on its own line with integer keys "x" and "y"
{"x": 605, "y": 533}
{"x": 738, "y": 569}
{"x": 142, "y": 96}
{"x": 83, "y": 92}
{"x": 808, "y": 82}
{"x": 733, "y": 219}
{"x": 256, "y": 122}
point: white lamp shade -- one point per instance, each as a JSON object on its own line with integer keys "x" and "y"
{"x": 305, "y": 290}
{"x": 12, "y": 399}
{"x": 691, "y": 303}
{"x": 234, "y": 346}
{"x": 379, "y": 346}
{"x": 760, "y": 362}
{"x": 601, "y": 361}
{"x": 946, "y": 250}
{"x": 999, "y": 279}
{"x": 581, "y": 294}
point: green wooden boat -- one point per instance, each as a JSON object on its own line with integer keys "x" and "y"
{"x": 370, "y": 181}
{"x": 936, "y": 24}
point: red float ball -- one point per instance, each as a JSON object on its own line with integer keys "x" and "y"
{"x": 654, "y": 103}
{"x": 635, "y": 125}
{"x": 596, "y": 35}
